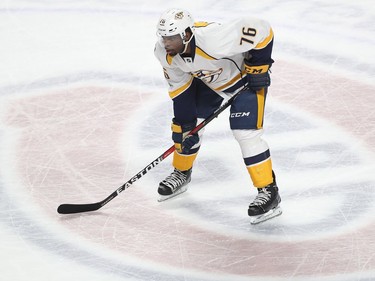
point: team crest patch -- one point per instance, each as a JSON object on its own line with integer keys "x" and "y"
{"x": 208, "y": 76}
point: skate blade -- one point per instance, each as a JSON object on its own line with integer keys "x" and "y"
{"x": 269, "y": 215}
{"x": 167, "y": 197}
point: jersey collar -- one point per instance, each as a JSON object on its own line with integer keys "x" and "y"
{"x": 191, "y": 56}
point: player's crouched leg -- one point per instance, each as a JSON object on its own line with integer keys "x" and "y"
{"x": 258, "y": 162}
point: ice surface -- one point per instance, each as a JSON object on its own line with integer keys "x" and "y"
{"x": 84, "y": 107}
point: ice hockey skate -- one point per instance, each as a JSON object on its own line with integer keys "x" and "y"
{"x": 174, "y": 184}
{"x": 266, "y": 204}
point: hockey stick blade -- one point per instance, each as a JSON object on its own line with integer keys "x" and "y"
{"x": 78, "y": 208}
{"x": 81, "y": 208}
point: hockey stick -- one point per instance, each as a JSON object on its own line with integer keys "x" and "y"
{"x": 80, "y": 208}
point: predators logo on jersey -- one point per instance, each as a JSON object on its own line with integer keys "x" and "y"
{"x": 208, "y": 76}
{"x": 216, "y": 55}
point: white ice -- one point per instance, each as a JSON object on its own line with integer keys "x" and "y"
{"x": 84, "y": 107}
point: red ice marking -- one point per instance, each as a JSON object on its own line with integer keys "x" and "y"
{"x": 71, "y": 140}
{"x": 70, "y": 151}
{"x": 348, "y": 103}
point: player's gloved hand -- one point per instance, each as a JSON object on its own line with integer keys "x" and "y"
{"x": 183, "y": 142}
{"x": 189, "y": 142}
{"x": 258, "y": 76}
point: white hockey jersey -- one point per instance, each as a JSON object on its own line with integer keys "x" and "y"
{"x": 217, "y": 56}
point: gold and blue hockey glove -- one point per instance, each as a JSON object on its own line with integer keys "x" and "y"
{"x": 258, "y": 76}
{"x": 183, "y": 142}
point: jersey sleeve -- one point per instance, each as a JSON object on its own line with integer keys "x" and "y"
{"x": 177, "y": 80}
{"x": 239, "y": 36}
{"x": 181, "y": 88}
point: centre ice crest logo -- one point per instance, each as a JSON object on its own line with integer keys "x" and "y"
{"x": 208, "y": 76}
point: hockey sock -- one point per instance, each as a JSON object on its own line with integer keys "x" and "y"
{"x": 183, "y": 162}
{"x": 260, "y": 173}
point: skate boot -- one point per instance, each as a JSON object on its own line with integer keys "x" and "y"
{"x": 266, "y": 204}
{"x": 174, "y": 184}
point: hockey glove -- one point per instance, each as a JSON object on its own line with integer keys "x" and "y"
{"x": 257, "y": 75}
{"x": 183, "y": 142}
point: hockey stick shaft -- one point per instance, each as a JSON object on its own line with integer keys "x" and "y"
{"x": 80, "y": 208}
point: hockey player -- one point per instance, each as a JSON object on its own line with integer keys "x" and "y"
{"x": 204, "y": 63}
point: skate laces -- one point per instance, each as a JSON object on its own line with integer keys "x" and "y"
{"x": 175, "y": 179}
{"x": 263, "y": 197}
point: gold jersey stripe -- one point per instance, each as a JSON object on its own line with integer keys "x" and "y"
{"x": 169, "y": 59}
{"x": 261, "y": 103}
{"x": 180, "y": 90}
{"x": 265, "y": 42}
{"x": 201, "y": 24}
{"x": 232, "y": 81}
{"x": 202, "y": 53}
